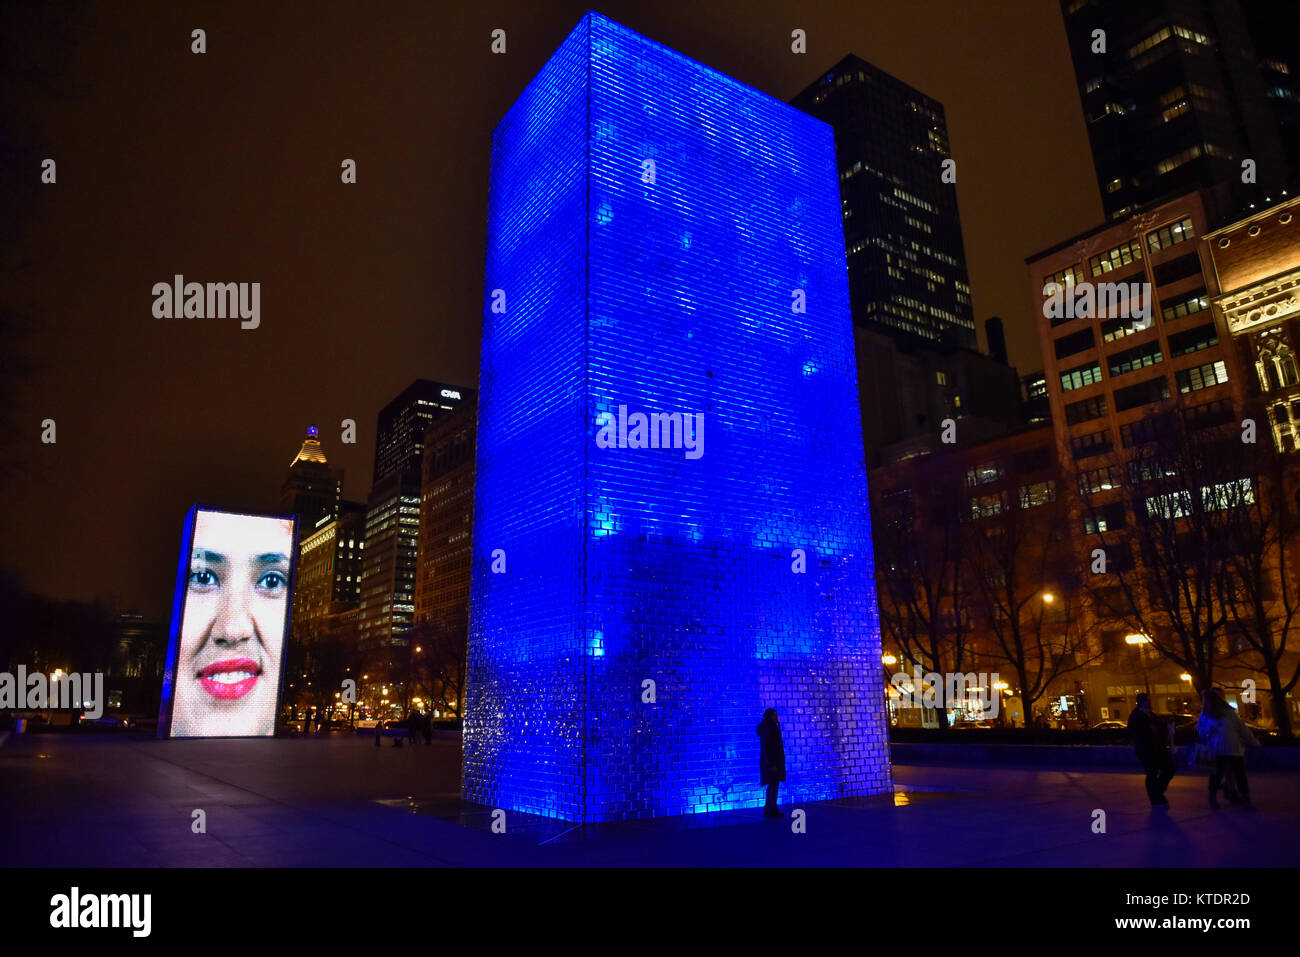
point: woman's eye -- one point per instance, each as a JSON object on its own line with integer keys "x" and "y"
{"x": 203, "y": 578}
{"x": 272, "y": 581}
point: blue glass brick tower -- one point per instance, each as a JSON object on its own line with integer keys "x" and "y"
{"x": 617, "y": 287}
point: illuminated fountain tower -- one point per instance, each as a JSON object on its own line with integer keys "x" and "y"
{"x": 670, "y": 528}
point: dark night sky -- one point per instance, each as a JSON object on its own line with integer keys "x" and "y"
{"x": 225, "y": 167}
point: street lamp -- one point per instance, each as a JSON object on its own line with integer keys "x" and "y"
{"x": 54, "y": 694}
{"x": 1141, "y": 641}
{"x": 1048, "y": 597}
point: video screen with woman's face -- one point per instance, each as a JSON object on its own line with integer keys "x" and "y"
{"x": 236, "y": 606}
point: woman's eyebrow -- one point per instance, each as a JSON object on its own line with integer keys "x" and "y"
{"x": 214, "y": 558}
{"x": 271, "y": 558}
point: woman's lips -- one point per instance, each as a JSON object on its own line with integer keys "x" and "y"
{"x": 228, "y": 680}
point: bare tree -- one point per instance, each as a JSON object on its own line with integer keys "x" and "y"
{"x": 1029, "y": 590}
{"x": 919, "y": 541}
{"x": 439, "y": 667}
{"x": 320, "y": 658}
{"x": 1262, "y": 599}
{"x": 1165, "y": 551}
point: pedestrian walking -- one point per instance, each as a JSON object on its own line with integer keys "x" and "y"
{"x": 1152, "y": 736}
{"x": 771, "y": 759}
{"x": 1227, "y": 739}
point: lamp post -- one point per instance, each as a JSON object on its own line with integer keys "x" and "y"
{"x": 888, "y": 660}
{"x": 1141, "y": 641}
{"x": 51, "y": 700}
{"x": 1048, "y": 598}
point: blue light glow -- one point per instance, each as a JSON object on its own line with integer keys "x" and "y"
{"x": 631, "y": 564}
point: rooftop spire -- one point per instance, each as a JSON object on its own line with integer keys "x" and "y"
{"x": 311, "y": 450}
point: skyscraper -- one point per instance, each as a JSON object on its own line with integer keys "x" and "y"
{"x": 1178, "y": 94}
{"x": 670, "y": 531}
{"x": 311, "y": 490}
{"x": 443, "y": 573}
{"x": 446, "y": 521}
{"x": 393, "y": 512}
{"x": 327, "y": 579}
{"x": 399, "y": 435}
{"x": 902, "y": 230}
{"x": 914, "y": 327}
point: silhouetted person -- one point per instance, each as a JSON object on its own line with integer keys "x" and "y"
{"x": 306, "y": 722}
{"x": 1222, "y": 731}
{"x": 426, "y": 726}
{"x": 1150, "y": 734}
{"x": 771, "y": 759}
{"x": 379, "y": 731}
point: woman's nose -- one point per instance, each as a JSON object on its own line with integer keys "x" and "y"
{"x": 234, "y": 620}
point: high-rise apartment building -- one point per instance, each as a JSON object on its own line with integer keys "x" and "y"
{"x": 1129, "y": 338}
{"x": 1128, "y": 326}
{"x": 1178, "y": 94}
{"x": 902, "y": 230}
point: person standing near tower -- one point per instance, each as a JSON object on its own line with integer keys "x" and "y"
{"x": 771, "y": 759}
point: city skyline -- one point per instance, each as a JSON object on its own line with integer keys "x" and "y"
{"x": 367, "y": 290}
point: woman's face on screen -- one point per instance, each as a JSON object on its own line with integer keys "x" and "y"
{"x": 232, "y": 633}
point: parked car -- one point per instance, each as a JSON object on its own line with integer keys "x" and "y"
{"x": 1109, "y": 725}
{"x": 1261, "y": 732}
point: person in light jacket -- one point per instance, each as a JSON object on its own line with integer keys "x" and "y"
{"x": 771, "y": 759}
{"x": 1223, "y": 732}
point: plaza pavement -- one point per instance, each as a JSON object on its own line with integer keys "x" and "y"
{"x": 119, "y": 800}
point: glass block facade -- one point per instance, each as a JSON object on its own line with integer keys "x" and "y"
{"x": 615, "y": 288}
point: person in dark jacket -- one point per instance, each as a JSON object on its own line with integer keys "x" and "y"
{"x": 771, "y": 759}
{"x": 1151, "y": 734}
